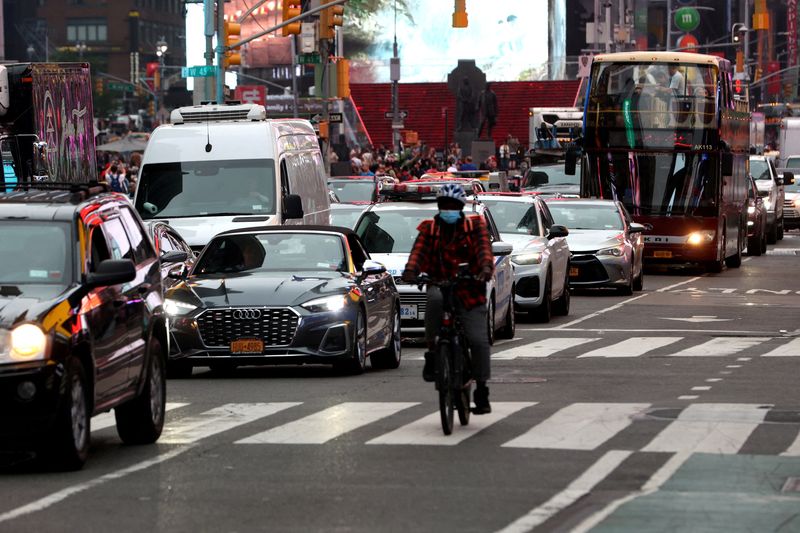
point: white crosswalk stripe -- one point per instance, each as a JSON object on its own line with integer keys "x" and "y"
{"x": 633, "y": 347}
{"x": 543, "y": 348}
{"x": 107, "y": 420}
{"x": 328, "y": 424}
{"x": 428, "y": 430}
{"x": 709, "y": 428}
{"x": 579, "y": 426}
{"x": 790, "y": 349}
{"x": 794, "y": 447}
{"x": 220, "y": 419}
{"x": 719, "y": 346}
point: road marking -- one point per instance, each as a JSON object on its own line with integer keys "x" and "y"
{"x": 543, "y": 348}
{"x": 653, "y": 484}
{"x": 688, "y": 397}
{"x": 107, "y": 420}
{"x": 427, "y": 431}
{"x": 719, "y": 346}
{"x": 703, "y": 388}
{"x": 219, "y": 419}
{"x": 709, "y": 428}
{"x": 63, "y": 494}
{"x": 713, "y": 380}
{"x": 790, "y": 349}
{"x": 698, "y": 319}
{"x": 733, "y": 366}
{"x": 744, "y": 358}
{"x": 633, "y": 347}
{"x": 328, "y": 424}
{"x": 576, "y": 490}
{"x": 746, "y": 259}
{"x": 670, "y": 287}
{"x": 600, "y": 312}
{"x": 579, "y": 426}
{"x": 650, "y": 330}
{"x": 794, "y": 448}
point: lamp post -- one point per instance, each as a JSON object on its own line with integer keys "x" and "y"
{"x": 161, "y": 51}
{"x": 81, "y": 48}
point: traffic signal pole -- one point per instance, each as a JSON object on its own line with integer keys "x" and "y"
{"x": 220, "y": 52}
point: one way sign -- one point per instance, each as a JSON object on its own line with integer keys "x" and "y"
{"x": 403, "y": 114}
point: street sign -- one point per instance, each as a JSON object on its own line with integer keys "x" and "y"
{"x": 403, "y": 114}
{"x": 335, "y": 118}
{"x": 687, "y": 19}
{"x": 312, "y": 58}
{"x": 251, "y": 94}
{"x": 115, "y": 86}
{"x": 202, "y": 71}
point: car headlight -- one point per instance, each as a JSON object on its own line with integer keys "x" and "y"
{"x": 527, "y": 258}
{"x": 177, "y": 307}
{"x": 27, "y": 343}
{"x": 701, "y": 237}
{"x": 616, "y": 251}
{"x": 329, "y": 303}
{"x": 751, "y": 209}
{"x": 767, "y": 204}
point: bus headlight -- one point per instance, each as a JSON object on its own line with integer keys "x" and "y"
{"x": 701, "y": 237}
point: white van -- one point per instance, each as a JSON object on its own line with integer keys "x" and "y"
{"x": 789, "y": 140}
{"x": 222, "y": 167}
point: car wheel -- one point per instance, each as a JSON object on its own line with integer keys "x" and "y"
{"x": 510, "y": 327}
{"x": 179, "y": 369}
{"x": 390, "y": 356}
{"x": 561, "y": 306}
{"x": 141, "y": 420}
{"x": 780, "y": 231}
{"x": 68, "y": 447}
{"x": 638, "y": 281}
{"x": 627, "y": 289}
{"x": 763, "y": 240}
{"x": 544, "y": 312}
{"x": 356, "y": 364}
{"x": 490, "y": 311}
{"x": 772, "y": 234}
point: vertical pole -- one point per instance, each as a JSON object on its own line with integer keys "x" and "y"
{"x": 208, "y": 13}
{"x": 597, "y": 25}
{"x": 747, "y": 23}
{"x": 668, "y": 40}
{"x": 220, "y": 51}
{"x": 324, "y": 51}
{"x": 295, "y": 103}
{"x": 609, "y": 36}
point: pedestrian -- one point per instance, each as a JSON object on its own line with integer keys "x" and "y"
{"x": 116, "y": 180}
{"x": 489, "y": 110}
{"x": 468, "y": 164}
{"x": 505, "y": 153}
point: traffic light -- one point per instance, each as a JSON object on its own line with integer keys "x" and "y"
{"x": 291, "y": 9}
{"x": 329, "y": 19}
{"x": 151, "y": 108}
{"x": 460, "y": 14}
{"x": 737, "y": 86}
{"x": 99, "y": 86}
{"x": 343, "y": 78}
{"x": 232, "y": 33}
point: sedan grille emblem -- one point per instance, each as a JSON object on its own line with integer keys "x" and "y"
{"x": 246, "y": 314}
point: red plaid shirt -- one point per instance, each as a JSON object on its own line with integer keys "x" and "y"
{"x": 436, "y": 254}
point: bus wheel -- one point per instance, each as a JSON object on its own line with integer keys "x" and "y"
{"x": 715, "y": 267}
{"x": 735, "y": 261}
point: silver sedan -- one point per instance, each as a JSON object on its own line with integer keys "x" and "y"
{"x": 607, "y": 246}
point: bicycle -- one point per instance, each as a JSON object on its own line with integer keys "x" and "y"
{"x": 453, "y": 357}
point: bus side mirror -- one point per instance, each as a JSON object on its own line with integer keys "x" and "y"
{"x": 570, "y": 162}
{"x": 727, "y": 164}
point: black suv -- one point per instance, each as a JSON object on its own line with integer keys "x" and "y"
{"x": 82, "y": 328}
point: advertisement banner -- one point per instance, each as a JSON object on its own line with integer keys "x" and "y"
{"x": 791, "y": 28}
{"x": 251, "y": 94}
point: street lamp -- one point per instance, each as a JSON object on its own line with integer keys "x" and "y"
{"x": 161, "y": 51}
{"x": 81, "y": 48}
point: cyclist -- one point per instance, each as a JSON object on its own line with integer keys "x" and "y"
{"x": 445, "y": 242}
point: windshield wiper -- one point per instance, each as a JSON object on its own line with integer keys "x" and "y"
{"x": 9, "y": 290}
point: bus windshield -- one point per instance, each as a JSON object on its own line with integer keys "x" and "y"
{"x": 652, "y": 106}
{"x": 663, "y": 184}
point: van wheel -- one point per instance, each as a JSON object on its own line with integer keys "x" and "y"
{"x": 68, "y": 446}
{"x": 141, "y": 420}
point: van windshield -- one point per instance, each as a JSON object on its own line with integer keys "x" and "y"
{"x": 206, "y": 188}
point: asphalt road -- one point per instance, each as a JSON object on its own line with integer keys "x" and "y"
{"x": 676, "y": 409}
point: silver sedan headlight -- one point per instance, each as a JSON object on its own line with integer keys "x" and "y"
{"x": 616, "y": 251}
{"x": 527, "y": 258}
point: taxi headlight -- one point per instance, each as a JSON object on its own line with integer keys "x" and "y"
{"x": 28, "y": 343}
{"x": 767, "y": 204}
{"x": 616, "y": 251}
{"x": 329, "y": 303}
{"x": 177, "y": 307}
{"x": 527, "y": 258}
{"x": 701, "y": 237}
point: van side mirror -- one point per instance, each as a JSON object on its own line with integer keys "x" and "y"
{"x": 292, "y": 207}
{"x": 788, "y": 178}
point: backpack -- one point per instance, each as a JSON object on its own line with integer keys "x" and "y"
{"x": 118, "y": 183}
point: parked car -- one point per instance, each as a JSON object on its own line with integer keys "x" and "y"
{"x": 540, "y": 256}
{"x": 347, "y": 215}
{"x": 285, "y": 295}
{"x": 82, "y": 328}
{"x": 388, "y": 230}
{"x": 771, "y": 188}
{"x": 756, "y": 220}
{"x": 550, "y": 179}
{"x": 606, "y": 244}
{"x": 175, "y": 254}
{"x": 354, "y": 189}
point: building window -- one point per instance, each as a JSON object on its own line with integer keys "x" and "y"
{"x": 90, "y": 30}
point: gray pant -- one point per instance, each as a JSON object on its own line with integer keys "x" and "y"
{"x": 474, "y": 324}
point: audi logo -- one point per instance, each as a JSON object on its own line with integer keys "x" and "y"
{"x": 246, "y": 314}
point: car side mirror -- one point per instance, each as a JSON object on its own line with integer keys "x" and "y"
{"x": 372, "y": 268}
{"x": 292, "y": 207}
{"x": 179, "y": 271}
{"x": 174, "y": 257}
{"x": 636, "y": 228}
{"x": 501, "y": 249}
{"x": 111, "y": 272}
{"x": 557, "y": 230}
{"x": 788, "y": 178}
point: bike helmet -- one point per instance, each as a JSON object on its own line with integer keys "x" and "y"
{"x": 454, "y": 191}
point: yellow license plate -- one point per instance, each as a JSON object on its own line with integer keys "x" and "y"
{"x": 247, "y": 346}
{"x": 662, "y": 254}
{"x": 574, "y": 272}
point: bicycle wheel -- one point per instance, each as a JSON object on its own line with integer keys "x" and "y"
{"x": 444, "y": 384}
{"x": 462, "y": 404}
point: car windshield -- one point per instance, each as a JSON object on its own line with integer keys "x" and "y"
{"x": 549, "y": 176}
{"x": 586, "y": 216}
{"x": 513, "y": 217}
{"x": 354, "y": 190}
{"x": 793, "y": 162}
{"x": 759, "y": 169}
{"x": 35, "y": 253}
{"x": 271, "y": 252}
{"x": 206, "y": 188}
{"x": 387, "y": 231}
{"x": 345, "y": 218}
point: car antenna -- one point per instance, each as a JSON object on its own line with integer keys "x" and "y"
{"x": 208, "y": 136}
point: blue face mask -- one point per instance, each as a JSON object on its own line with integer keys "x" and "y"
{"x": 449, "y": 216}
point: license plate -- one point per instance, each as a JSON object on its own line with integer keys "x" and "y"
{"x": 574, "y": 272}
{"x": 247, "y": 346}
{"x": 409, "y": 311}
{"x": 662, "y": 254}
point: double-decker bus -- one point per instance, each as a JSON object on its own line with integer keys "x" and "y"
{"x": 663, "y": 133}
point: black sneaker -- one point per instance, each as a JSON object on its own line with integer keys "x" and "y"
{"x": 481, "y": 399}
{"x": 429, "y": 371}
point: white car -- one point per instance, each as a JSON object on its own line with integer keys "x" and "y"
{"x": 540, "y": 256}
{"x": 771, "y": 188}
{"x": 388, "y": 231}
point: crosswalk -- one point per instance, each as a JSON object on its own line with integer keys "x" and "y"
{"x": 655, "y": 346}
{"x": 721, "y": 428}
